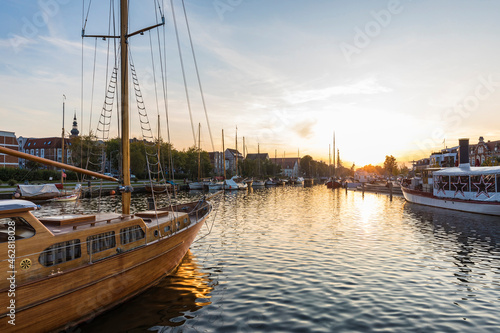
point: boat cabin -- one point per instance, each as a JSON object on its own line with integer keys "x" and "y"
{"x": 473, "y": 183}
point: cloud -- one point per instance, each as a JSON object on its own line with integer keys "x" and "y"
{"x": 364, "y": 87}
{"x": 305, "y": 128}
{"x": 16, "y": 42}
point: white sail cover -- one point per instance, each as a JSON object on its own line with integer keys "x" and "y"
{"x": 34, "y": 190}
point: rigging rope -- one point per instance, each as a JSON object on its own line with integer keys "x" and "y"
{"x": 183, "y": 71}
{"x": 165, "y": 91}
{"x": 198, "y": 75}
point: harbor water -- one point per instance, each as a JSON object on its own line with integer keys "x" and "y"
{"x": 294, "y": 259}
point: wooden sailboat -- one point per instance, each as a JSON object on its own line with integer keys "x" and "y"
{"x": 62, "y": 270}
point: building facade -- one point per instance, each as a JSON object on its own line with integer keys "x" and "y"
{"x": 8, "y": 140}
{"x": 217, "y": 160}
{"x": 49, "y": 148}
{"x": 446, "y": 158}
{"x": 481, "y": 151}
{"x": 231, "y": 156}
{"x": 289, "y": 166}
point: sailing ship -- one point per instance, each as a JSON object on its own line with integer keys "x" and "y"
{"x": 463, "y": 188}
{"x": 67, "y": 269}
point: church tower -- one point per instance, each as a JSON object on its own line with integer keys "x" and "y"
{"x": 74, "y": 130}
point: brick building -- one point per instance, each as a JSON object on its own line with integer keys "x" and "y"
{"x": 49, "y": 148}
{"x": 8, "y": 140}
{"x": 483, "y": 150}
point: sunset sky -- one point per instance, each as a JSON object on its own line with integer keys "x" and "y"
{"x": 398, "y": 78}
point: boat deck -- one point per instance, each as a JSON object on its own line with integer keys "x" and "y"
{"x": 71, "y": 223}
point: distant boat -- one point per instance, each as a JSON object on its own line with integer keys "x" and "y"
{"x": 270, "y": 182}
{"x": 333, "y": 183}
{"x": 196, "y": 185}
{"x": 44, "y": 192}
{"x": 235, "y": 184}
{"x": 37, "y": 192}
{"x": 258, "y": 183}
{"x": 463, "y": 188}
{"x": 66, "y": 198}
{"x": 216, "y": 186}
{"x": 299, "y": 181}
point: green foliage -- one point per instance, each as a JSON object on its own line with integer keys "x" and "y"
{"x": 86, "y": 152}
{"x": 12, "y": 182}
{"x": 491, "y": 161}
{"x": 312, "y": 168}
{"x": 390, "y": 165}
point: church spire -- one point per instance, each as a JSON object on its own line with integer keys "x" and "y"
{"x": 74, "y": 130}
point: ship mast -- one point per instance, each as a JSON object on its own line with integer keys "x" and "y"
{"x": 126, "y": 195}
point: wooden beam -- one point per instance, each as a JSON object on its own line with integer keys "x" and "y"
{"x": 45, "y": 161}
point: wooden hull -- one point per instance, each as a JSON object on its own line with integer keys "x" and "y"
{"x": 333, "y": 184}
{"x": 65, "y": 299}
{"x": 470, "y": 206}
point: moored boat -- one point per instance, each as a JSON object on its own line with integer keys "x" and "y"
{"x": 270, "y": 182}
{"x": 333, "y": 183}
{"x": 258, "y": 183}
{"x": 463, "y": 188}
{"x": 69, "y": 268}
{"x": 235, "y": 184}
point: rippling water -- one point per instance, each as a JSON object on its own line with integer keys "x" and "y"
{"x": 292, "y": 259}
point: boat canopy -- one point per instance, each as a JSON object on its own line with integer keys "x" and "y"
{"x": 16, "y": 204}
{"x": 33, "y": 190}
{"x": 472, "y": 171}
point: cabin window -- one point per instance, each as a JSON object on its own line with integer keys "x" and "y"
{"x": 166, "y": 229}
{"x": 459, "y": 183}
{"x": 101, "y": 242}
{"x": 16, "y": 227}
{"x": 178, "y": 225}
{"x": 186, "y": 221}
{"x": 442, "y": 182}
{"x": 131, "y": 234}
{"x": 465, "y": 180}
{"x": 60, "y": 253}
{"x": 490, "y": 179}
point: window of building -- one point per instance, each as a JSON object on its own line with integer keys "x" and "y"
{"x": 101, "y": 242}
{"x": 131, "y": 234}
{"x": 60, "y": 253}
{"x": 42, "y": 152}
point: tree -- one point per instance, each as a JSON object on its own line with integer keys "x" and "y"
{"x": 86, "y": 152}
{"x": 306, "y": 165}
{"x": 390, "y": 165}
{"x": 491, "y": 161}
{"x": 138, "y": 159}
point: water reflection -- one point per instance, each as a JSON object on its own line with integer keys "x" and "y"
{"x": 168, "y": 304}
{"x": 471, "y": 242}
{"x": 294, "y": 259}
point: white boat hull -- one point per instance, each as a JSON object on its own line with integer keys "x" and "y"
{"x": 488, "y": 208}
